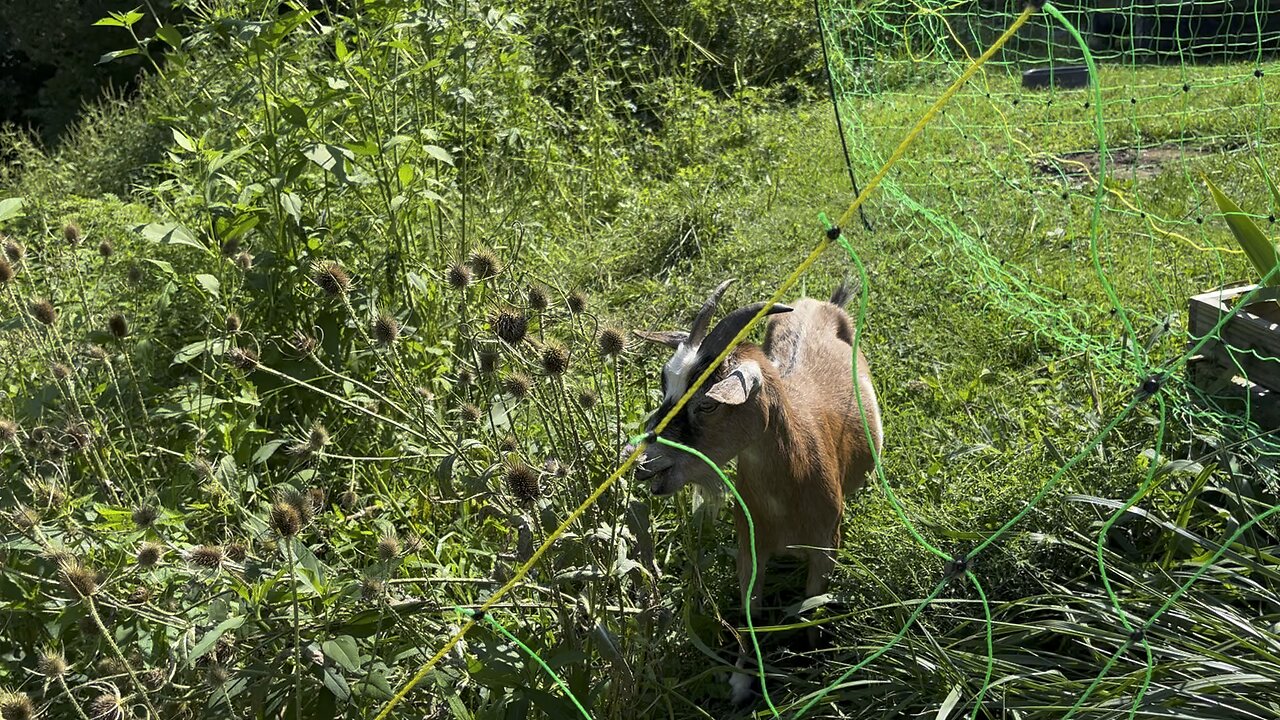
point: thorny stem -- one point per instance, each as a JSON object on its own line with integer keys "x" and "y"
{"x": 115, "y": 649}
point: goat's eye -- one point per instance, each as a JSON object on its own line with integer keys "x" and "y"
{"x": 705, "y": 405}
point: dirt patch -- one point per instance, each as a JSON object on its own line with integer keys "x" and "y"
{"x": 1124, "y": 163}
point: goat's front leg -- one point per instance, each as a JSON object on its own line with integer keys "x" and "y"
{"x": 741, "y": 681}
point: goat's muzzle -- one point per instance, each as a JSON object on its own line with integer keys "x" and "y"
{"x": 654, "y": 471}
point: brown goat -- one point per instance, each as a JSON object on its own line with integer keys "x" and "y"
{"x": 788, "y": 412}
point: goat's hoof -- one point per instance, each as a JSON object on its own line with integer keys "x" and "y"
{"x": 742, "y": 689}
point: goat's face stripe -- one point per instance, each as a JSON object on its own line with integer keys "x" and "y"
{"x": 678, "y": 373}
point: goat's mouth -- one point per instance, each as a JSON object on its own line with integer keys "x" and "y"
{"x": 663, "y": 484}
{"x": 657, "y": 472}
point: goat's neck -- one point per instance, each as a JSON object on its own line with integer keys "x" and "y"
{"x": 778, "y": 451}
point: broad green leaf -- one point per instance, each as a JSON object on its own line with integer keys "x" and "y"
{"x": 108, "y": 57}
{"x": 344, "y": 651}
{"x": 211, "y": 637}
{"x": 170, "y": 35}
{"x": 292, "y": 205}
{"x": 340, "y": 49}
{"x": 1261, "y": 251}
{"x": 209, "y": 284}
{"x": 336, "y": 684}
{"x": 266, "y": 451}
{"x": 11, "y": 208}
{"x": 439, "y": 153}
{"x": 183, "y": 141}
{"x": 171, "y": 233}
{"x": 405, "y": 174}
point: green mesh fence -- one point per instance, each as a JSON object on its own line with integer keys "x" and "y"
{"x": 1077, "y": 212}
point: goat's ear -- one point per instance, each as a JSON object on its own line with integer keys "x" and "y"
{"x": 670, "y": 338}
{"x": 738, "y": 386}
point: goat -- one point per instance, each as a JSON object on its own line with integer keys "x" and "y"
{"x": 788, "y": 412}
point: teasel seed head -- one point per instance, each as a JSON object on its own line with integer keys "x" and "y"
{"x": 285, "y": 520}
{"x": 43, "y": 311}
{"x": 135, "y": 275}
{"x": 71, "y": 232}
{"x": 538, "y": 298}
{"x": 7, "y": 272}
{"x": 388, "y": 547}
{"x": 96, "y": 352}
{"x": 458, "y": 276}
{"x": 242, "y": 358}
{"x": 106, "y": 249}
{"x": 237, "y": 552}
{"x": 303, "y": 344}
{"x": 577, "y": 302}
{"x": 509, "y": 443}
{"x": 318, "y": 438}
{"x": 108, "y": 706}
{"x": 149, "y": 554}
{"x": 300, "y": 503}
{"x": 51, "y": 663}
{"x": 332, "y": 278}
{"x": 555, "y": 358}
{"x": 469, "y": 413}
{"x": 8, "y": 431}
{"x": 485, "y": 264}
{"x": 371, "y": 587}
{"x": 79, "y": 578}
{"x": 16, "y": 706}
{"x": 14, "y": 251}
{"x": 517, "y": 385}
{"x": 349, "y": 500}
{"x": 386, "y": 330}
{"x": 509, "y": 324}
{"x": 611, "y": 342}
{"x": 522, "y": 481}
{"x": 489, "y": 360}
{"x": 60, "y": 371}
{"x": 231, "y": 247}
{"x": 209, "y": 557}
{"x": 144, "y": 516}
{"x": 118, "y": 326}
{"x": 232, "y": 323}
{"x": 587, "y": 398}
{"x": 244, "y": 260}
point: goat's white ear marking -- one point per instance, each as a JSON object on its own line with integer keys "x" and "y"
{"x": 739, "y": 386}
{"x": 670, "y": 338}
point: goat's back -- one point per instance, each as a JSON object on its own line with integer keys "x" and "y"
{"x": 812, "y": 348}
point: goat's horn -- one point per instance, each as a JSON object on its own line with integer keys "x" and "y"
{"x": 731, "y": 325}
{"x": 703, "y": 320}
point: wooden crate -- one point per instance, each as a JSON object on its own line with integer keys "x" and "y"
{"x": 1240, "y": 367}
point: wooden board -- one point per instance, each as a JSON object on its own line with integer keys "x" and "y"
{"x": 1247, "y": 342}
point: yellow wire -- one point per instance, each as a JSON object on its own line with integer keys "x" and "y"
{"x": 787, "y": 284}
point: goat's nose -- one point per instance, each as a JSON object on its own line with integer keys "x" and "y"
{"x": 647, "y": 467}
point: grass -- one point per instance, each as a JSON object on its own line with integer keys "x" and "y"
{"x": 352, "y": 398}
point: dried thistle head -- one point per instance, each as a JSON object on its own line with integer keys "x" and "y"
{"x": 16, "y": 706}
{"x": 139, "y": 595}
{"x": 371, "y": 587}
{"x": 348, "y": 500}
{"x": 43, "y": 311}
{"x": 303, "y": 344}
{"x": 509, "y": 443}
{"x": 72, "y": 234}
{"x": 7, "y": 272}
{"x": 8, "y": 431}
{"x": 469, "y": 413}
{"x": 51, "y": 663}
{"x": 458, "y": 276}
{"x": 538, "y": 298}
{"x": 484, "y": 263}
{"x": 465, "y": 377}
{"x": 232, "y": 323}
{"x": 244, "y": 260}
{"x": 118, "y": 326}
{"x": 79, "y": 578}
{"x": 509, "y": 324}
{"x": 14, "y": 251}
{"x": 285, "y": 520}
{"x": 144, "y": 516}
{"x": 242, "y": 358}
{"x": 96, "y": 352}
{"x": 386, "y": 330}
{"x": 106, "y": 249}
{"x": 388, "y": 547}
{"x": 299, "y": 501}
{"x": 611, "y": 342}
{"x": 318, "y": 438}
{"x": 331, "y": 277}
{"x": 230, "y": 247}
{"x": 61, "y": 371}
{"x": 78, "y": 436}
{"x": 237, "y": 552}
{"x": 217, "y": 676}
{"x": 587, "y": 398}
{"x": 319, "y": 499}
{"x": 517, "y": 385}
{"x": 577, "y": 302}
{"x": 108, "y": 706}
{"x": 209, "y": 557}
{"x": 135, "y": 275}
{"x": 521, "y": 480}
{"x": 150, "y": 554}
{"x": 554, "y": 358}
{"x": 25, "y": 518}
